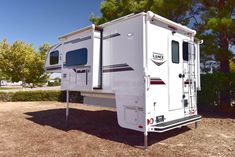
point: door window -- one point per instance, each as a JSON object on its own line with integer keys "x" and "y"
{"x": 175, "y": 51}
{"x": 185, "y": 51}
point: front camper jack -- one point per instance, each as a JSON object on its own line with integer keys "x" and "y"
{"x": 146, "y": 66}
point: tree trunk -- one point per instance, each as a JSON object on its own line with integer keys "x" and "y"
{"x": 224, "y": 68}
{"x": 224, "y": 54}
{"x": 23, "y": 83}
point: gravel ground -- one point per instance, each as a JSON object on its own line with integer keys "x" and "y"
{"x": 39, "y": 129}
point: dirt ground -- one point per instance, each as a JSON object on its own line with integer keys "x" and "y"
{"x": 39, "y": 129}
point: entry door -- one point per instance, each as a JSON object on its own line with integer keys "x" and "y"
{"x": 175, "y": 73}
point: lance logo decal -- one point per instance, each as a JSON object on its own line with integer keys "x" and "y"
{"x": 158, "y": 58}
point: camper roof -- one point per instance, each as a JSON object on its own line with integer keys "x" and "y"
{"x": 91, "y": 27}
{"x": 149, "y": 14}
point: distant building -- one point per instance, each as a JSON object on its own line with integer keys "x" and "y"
{"x": 6, "y": 83}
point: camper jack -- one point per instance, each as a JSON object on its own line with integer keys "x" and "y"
{"x": 146, "y": 66}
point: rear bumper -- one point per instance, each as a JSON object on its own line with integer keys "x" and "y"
{"x": 174, "y": 124}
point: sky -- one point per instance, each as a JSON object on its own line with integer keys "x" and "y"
{"x": 40, "y": 21}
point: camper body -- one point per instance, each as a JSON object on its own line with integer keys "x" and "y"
{"x": 143, "y": 64}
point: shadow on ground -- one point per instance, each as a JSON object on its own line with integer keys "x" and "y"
{"x": 102, "y": 123}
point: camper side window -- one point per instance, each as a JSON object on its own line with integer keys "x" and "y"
{"x": 175, "y": 51}
{"x": 76, "y": 57}
{"x": 185, "y": 51}
{"x": 54, "y": 57}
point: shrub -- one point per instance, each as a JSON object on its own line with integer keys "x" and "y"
{"x": 4, "y": 96}
{"x": 56, "y": 83}
{"x": 36, "y": 96}
{"x": 40, "y": 96}
{"x": 212, "y": 85}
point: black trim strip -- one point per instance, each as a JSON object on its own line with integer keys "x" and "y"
{"x": 118, "y": 70}
{"x": 158, "y": 63}
{"x": 57, "y": 46}
{"x": 53, "y": 68}
{"x": 116, "y": 66}
{"x": 79, "y": 71}
{"x": 86, "y": 76}
{"x": 78, "y": 40}
{"x": 101, "y": 57}
{"x": 155, "y": 79}
{"x": 111, "y": 36}
{"x": 111, "y": 68}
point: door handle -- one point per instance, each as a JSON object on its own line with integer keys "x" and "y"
{"x": 181, "y": 75}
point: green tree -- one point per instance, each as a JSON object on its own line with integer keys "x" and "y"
{"x": 217, "y": 30}
{"x": 112, "y": 9}
{"x": 232, "y": 65}
{"x": 2, "y": 77}
{"x": 43, "y": 49}
{"x": 18, "y": 58}
{"x": 4, "y": 48}
{"x": 21, "y": 62}
{"x": 37, "y": 75}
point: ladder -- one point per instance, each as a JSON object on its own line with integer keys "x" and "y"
{"x": 191, "y": 78}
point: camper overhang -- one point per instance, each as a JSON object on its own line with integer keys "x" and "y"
{"x": 171, "y": 24}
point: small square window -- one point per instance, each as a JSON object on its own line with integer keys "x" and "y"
{"x": 54, "y": 57}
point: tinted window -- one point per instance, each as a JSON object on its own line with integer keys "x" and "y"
{"x": 54, "y": 57}
{"x": 185, "y": 51}
{"x": 76, "y": 57}
{"x": 175, "y": 51}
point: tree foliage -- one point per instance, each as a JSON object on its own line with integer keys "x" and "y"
{"x": 112, "y": 9}
{"x": 43, "y": 49}
{"x": 232, "y": 65}
{"x": 2, "y": 77}
{"x": 217, "y": 29}
{"x": 21, "y": 62}
{"x": 37, "y": 73}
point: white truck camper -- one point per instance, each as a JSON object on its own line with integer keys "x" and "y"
{"x": 143, "y": 64}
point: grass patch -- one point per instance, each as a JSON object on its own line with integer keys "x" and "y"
{"x": 8, "y": 88}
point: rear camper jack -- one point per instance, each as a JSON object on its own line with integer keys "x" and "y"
{"x": 67, "y": 107}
